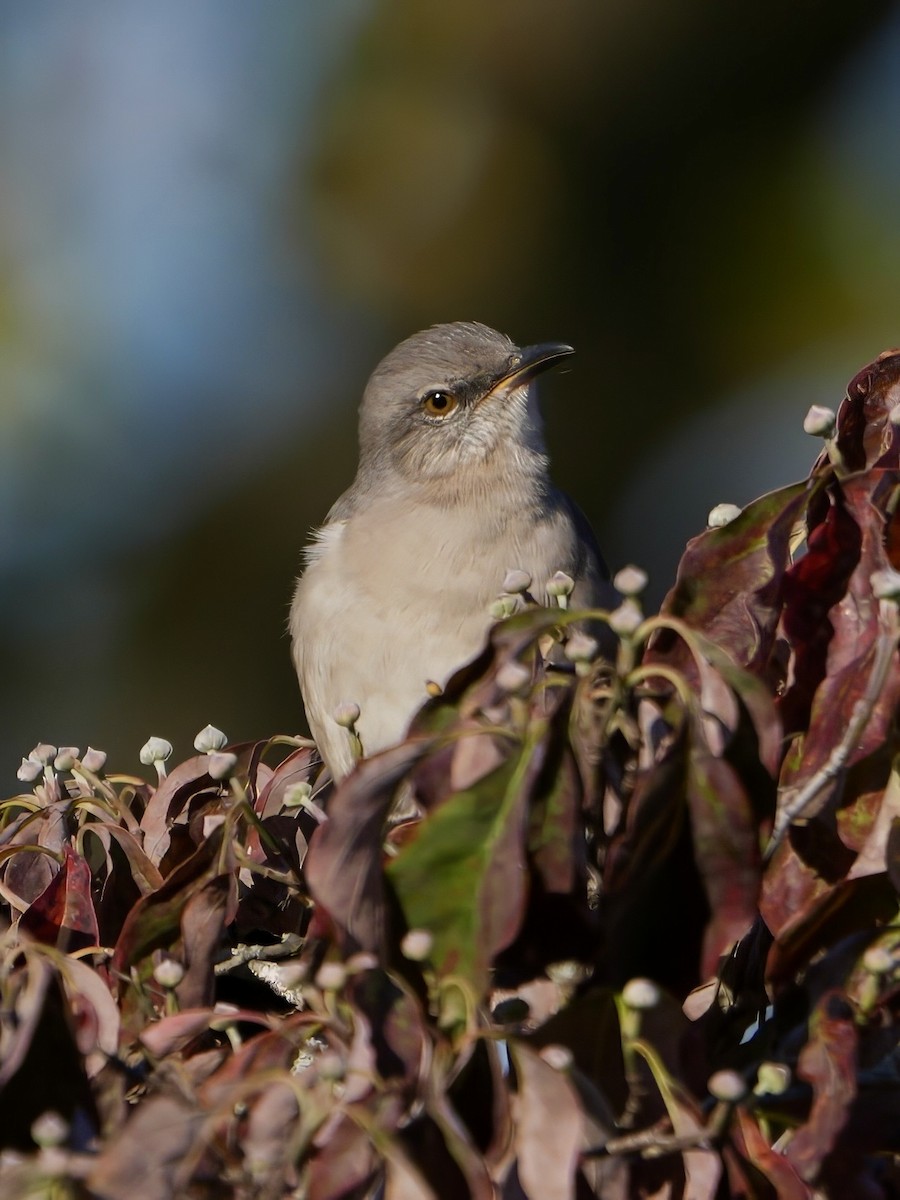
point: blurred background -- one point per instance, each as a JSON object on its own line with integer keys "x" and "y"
{"x": 216, "y": 217}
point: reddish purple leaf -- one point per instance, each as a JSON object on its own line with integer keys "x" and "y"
{"x": 828, "y": 1062}
{"x": 174, "y": 792}
{"x": 344, "y": 1163}
{"x": 296, "y": 768}
{"x": 726, "y": 846}
{"x": 865, "y": 433}
{"x": 343, "y": 864}
{"x": 774, "y": 1166}
{"x": 730, "y": 581}
{"x": 63, "y": 915}
{"x": 153, "y": 1153}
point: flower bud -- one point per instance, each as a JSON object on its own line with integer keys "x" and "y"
{"x": 94, "y": 760}
{"x": 297, "y": 795}
{"x": 417, "y": 945}
{"x": 641, "y": 994}
{"x": 878, "y": 960}
{"x": 66, "y": 758}
{"x": 513, "y": 677}
{"x": 560, "y": 586}
{"x": 503, "y": 607}
{"x": 625, "y": 619}
{"x": 819, "y": 421}
{"x": 580, "y": 647}
{"x": 330, "y": 1066}
{"x": 516, "y": 581}
{"x": 630, "y": 581}
{"x": 722, "y": 514}
{"x": 43, "y": 753}
{"x": 221, "y": 765}
{"x": 772, "y": 1078}
{"x": 155, "y": 750}
{"x": 169, "y": 973}
{"x": 362, "y": 960}
{"x": 346, "y": 714}
{"x": 331, "y": 976}
{"x": 727, "y": 1086}
{"x": 209, "y": 739}
{"x": 50, "y": 1130}
{"x": 29, "y": 770}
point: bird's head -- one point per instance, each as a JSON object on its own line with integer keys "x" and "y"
{"x": 451, "y": 399}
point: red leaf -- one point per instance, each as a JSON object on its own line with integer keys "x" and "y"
{"x": 63, "y": 915}
{"x": 152, "y": 1155}
{"x": 730, "y": 581}
{"x": 726, "y": 846}
{"x": 775, "y": 1167}
{"x": 343, "y": 864}
{"x": 828, "y": 1062}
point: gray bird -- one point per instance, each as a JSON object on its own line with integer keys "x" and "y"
{"x": 452, "y": 492}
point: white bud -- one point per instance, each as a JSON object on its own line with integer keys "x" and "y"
{"x": 503, "y": 607}
{"x": 43, "y": 753}
{"x": 94, "y": 760}
{"x": 362, "y": 960}
{"x": 625, "y": 619}
{"x": 516, "y": 581}
{"x": 722, "y": 514}
{"x": 346, "y": 714}
{"x": 641, "y": 994}
{"x": 819, "y": 421}
{"x": 580, "y": 648}
{"x": 630, "y": 581}
{"x": 727, "y": 1086}
{"x": 65, "y": 758}
{"x": 29, "y": 770}
{"x": 513, "y": 677}
{"x": 331, "y": 976}
{"x": 558, "y": 1057}
{"x": 221, "y": 765}
{"x": 155, "y": 750}
{"x": 417, "y": 945}
{"x": 168, "y": 973}
{"x": 330, "y": 1066}
{"x": 50, "y": 1130}
{"x": 878, "y": 960}
{"x": 209, "y": 739}
{"x": 560, "y": 584}
{"x": 297, "y": 795}
{"x": 772, "y": 1078}
{"x": 885, "y": 584}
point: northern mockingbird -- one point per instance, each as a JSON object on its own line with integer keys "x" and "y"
{"x": 451, "y": 493}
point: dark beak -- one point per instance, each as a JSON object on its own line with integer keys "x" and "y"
{"x": 530, "y": 361}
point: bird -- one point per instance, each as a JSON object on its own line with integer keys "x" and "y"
{"x": 451, "y": 493}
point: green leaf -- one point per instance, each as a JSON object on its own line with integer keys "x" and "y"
{"x": 464, "y": 876}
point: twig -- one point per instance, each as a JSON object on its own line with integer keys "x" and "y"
{"x": 290, "y": 944}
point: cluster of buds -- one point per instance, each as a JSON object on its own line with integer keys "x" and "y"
{"x": 46, "y": 762}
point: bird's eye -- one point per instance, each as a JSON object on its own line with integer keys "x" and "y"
{"x": 439, "y": 403}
